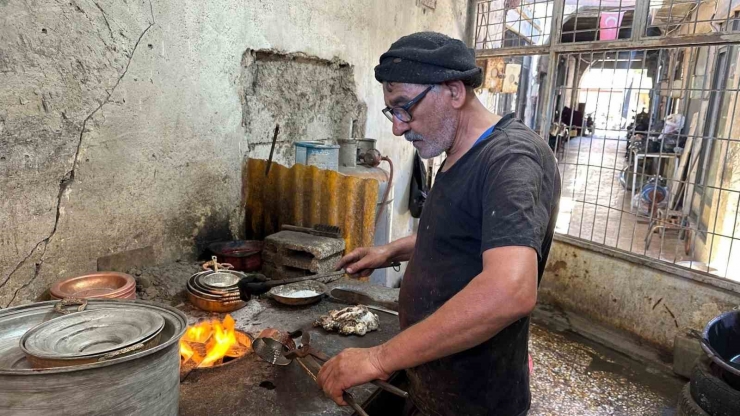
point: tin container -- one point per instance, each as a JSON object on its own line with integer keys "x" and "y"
{"x": 143, "y": 383}
{"x": 325, "y": 156}
{"x": 300, "y": 150}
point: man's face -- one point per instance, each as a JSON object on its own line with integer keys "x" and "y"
{"x": 433, "y": 120}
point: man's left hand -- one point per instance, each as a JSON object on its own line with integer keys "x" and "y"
{"x": 351, "y": 367}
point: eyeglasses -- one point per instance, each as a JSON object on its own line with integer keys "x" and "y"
{"x": 402, "y": 113}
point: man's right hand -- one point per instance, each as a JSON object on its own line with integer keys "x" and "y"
{"x": 364, "y": 260}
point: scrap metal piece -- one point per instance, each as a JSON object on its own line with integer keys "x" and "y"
{"x": 351, "y": 320}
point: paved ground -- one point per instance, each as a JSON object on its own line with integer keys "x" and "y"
{"x": 594, "y": 206}
{"x": 573, "y": 376}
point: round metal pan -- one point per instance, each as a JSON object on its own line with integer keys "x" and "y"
{"x": 196, "y": 281}
{"x": 210, "y": 295}
{"x": 301, "y": 293}
{"x": 215, "y": 305}
{"x": 91, "y": 333}
{"x": 95, "y": 285}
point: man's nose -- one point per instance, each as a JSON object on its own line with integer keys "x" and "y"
{"x": 399, "y": 127}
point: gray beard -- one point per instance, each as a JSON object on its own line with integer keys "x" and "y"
{"x": 429, "y": 148}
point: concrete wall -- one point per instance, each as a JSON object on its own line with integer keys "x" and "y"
{"x": 122, "y": 123}
{"x": 652, "y": 301}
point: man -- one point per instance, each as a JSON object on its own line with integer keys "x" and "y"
{"x": 481, "y": 248}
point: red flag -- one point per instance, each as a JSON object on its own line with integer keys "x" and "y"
{"x": 609, "y": 25}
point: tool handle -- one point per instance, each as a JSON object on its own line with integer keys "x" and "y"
{"x": 390, "y": 388}
{"x": 274, "y": 283}
{"x": 353, "y": 404}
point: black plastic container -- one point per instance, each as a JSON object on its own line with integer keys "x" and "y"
{"x": 721, "y": 342}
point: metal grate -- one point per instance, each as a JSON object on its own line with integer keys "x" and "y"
{"x": 513, "y": 23}
{"x": 638, "y": 98}
{"x": 668, "y": 18}
{"x": 648, "y": 151}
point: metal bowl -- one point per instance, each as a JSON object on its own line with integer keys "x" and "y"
{"x": 218, "y": 280}
{"x": 95, "y": 285}
{"x": 301, "y": 293}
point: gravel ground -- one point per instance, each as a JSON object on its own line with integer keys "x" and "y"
{"x": 571, "y": 377}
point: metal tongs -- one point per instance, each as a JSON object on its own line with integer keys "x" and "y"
{"x": 307, "y": 357}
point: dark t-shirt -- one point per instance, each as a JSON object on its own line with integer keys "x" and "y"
{"x": 502, "y": 192}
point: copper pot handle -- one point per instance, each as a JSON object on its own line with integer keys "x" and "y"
{"x": 69, "y": 302}
{"x": 213, "y": 263}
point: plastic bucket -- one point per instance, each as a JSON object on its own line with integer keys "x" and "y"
{"x": 721, "y": 342}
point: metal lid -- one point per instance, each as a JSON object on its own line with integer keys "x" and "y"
{"x": 91, "y": 332}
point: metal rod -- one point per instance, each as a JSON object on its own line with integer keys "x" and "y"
{"x": 272, "y": 149}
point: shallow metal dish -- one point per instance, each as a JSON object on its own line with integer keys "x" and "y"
{"x": 95, "y": 285}
{"x": 91, "y": 333}
{"x": 301, "y": 293}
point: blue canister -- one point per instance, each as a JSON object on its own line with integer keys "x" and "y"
{"x": 300, "y": 150}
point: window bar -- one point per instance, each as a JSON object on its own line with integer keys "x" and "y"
{"x": 645, "y": 160}
{"x": 720, "y": 177}
{"x": 614, "y": 170}
{"x": 673, "y": 55}
{"x": 700, "y": 130}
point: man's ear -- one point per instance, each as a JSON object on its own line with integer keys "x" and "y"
{"x": 458, "y": 93}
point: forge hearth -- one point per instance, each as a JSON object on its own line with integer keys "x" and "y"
{"x": 212, "y": 344}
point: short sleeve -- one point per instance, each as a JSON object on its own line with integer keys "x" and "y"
{"x": 512, "y": 213}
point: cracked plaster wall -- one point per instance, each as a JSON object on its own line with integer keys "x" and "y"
{"x": 121, "y": 122}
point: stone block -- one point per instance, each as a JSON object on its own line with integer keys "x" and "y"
{"x": 301, "y": 244}
{"x": 686, "y": 350}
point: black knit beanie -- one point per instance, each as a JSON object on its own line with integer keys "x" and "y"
{"x": 429, "y": 58}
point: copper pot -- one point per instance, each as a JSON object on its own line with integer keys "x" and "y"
{"x": 96, "y": 285}
{"x": 220, "y": 306}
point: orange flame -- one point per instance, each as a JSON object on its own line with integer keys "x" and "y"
{"x": 207, "y": 343}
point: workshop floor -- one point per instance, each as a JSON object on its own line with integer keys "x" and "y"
{"x": 595, "y": 207}
{"x": 573, "y": 376}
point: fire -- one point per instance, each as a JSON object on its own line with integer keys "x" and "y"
{"x": 207, "y": 343}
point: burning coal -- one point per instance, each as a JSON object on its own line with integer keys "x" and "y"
{"x": 209, "y": 343}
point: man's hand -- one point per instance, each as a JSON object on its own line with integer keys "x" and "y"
{"x": 364, "y": 260}
{"x": 352, "y": 367}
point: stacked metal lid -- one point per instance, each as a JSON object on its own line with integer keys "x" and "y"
{"x": 215, "y": 290}
{"x": 110, "y": 285}
{"x": 91, "y": 336}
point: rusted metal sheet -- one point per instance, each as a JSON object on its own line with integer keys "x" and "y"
{"x": 306, "y": 196}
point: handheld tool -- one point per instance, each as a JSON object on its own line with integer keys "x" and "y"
{"x": 304, "y": 349}
{"x": 253, "y": 285}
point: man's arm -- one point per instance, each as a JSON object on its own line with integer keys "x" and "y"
{"x": 504, "y": 292}
{"x": 364, "y": 260}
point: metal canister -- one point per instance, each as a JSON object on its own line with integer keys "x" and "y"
{"x": 347, "y": 153}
